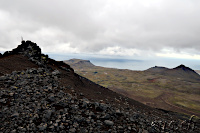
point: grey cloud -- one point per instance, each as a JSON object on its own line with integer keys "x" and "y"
{"x": 91, "y": 26}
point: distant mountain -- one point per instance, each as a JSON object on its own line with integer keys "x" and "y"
{"x": 184, "y": 72}
{"x": 180, "y": 72}
{"x": 79, "y": 63}
{"x": 157, "y": 69}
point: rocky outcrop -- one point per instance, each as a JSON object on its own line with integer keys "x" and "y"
{"x": 30, "y": 50}
{"x": 34, "y": 101}
{"x": 34, "y": 54}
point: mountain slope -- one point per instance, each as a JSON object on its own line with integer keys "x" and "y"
{"x": 32, "y": 57}
{"x": 158, "y": 87}
{"x": 184, "y": 72}
{"x": 50, "y": 97}
{"x": 15, "y": 62}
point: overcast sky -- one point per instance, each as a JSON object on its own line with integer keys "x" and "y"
{"x": 136, "y": 28}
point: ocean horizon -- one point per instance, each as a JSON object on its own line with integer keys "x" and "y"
{"x": 128, "y": 63}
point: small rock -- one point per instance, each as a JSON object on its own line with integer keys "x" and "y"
{"x": 42, "y": 126}
{"x": 55, "y": 72}
{"x": 106, "y": 117}
{"x": 57, "y": 121}
{"x": 51, "y": 97}
{"x": 120, "y": 127}
{"x": 118, "y": 112}
{"x": 3, "y": 100}
{"x": 1, "y": 114}
{"x": 15, "y": 115}
{"x": 48, "y": 114}
{"x": 61, "y": 126}
{"x": 2, "y": 78}
{"x": 13, "y": 131}
{"x": 145, "y": 131}
{"x": 81, "y": 94}
{"x": 129, "y": 128}
{"x": 11, "y": 94}
{"x": 72, "y": 130}
{"x": 109, "y": 123}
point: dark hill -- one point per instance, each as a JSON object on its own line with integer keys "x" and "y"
{"x": 181, "y": 71}
{"x": 157, "y": 69}
{"x": 184, "y": 72}
{"x": 78, "y": 63}
{"x": 39, "y": 94}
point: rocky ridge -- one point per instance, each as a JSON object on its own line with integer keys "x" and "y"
{"x": 33, "y": 100}
{"x": 33, "y": 52}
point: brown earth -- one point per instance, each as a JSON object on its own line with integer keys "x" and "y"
{"x": 14, "y": 63}
{"x": 160, "y": 102}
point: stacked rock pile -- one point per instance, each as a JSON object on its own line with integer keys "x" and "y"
{"x": 33, "y": 101}
{"x": 30, "y": 50}
{"x": 34, "y": 54}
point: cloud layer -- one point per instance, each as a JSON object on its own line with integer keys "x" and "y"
{"x": 113, "y": 27}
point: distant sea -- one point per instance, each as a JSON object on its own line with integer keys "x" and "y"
{"x": 132, "y": 64}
